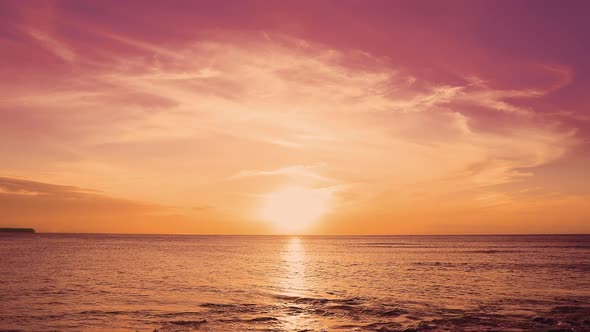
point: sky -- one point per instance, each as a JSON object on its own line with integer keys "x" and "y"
{"x": 311, "y": 117}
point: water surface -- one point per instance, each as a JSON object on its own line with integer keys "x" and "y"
{"x": 263, "y": 283}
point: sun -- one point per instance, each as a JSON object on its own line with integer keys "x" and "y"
{"x": 293, "y": 210}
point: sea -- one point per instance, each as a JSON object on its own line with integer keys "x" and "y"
{"x": 92, "y": 282}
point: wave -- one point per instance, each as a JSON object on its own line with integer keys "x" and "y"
{"x": 356, "y": 314}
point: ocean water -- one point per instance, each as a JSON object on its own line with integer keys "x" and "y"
{"x": 59, "y": 282}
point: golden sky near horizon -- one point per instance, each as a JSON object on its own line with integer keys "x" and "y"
{"x": 376, "y": 117}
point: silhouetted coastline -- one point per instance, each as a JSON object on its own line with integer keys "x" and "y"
{"x": 17, "y": 230}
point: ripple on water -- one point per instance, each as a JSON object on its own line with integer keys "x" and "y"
{"x": 355, "y": 314}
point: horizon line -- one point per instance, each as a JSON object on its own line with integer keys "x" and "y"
{"x": 307, "y": 235}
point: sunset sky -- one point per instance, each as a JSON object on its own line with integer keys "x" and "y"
{"x": 318, "y": 117}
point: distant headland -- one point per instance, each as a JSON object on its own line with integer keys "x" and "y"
{"x": 17, "y": 230}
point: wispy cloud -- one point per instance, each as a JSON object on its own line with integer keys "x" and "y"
{"x": 173, "y": 124}
{"x": 23, "y": 186}
{"x": 53, "y": 45}
{"x": 297, "y": 171}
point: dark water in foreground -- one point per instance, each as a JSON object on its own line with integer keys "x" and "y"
{"x": 219, "y": 283}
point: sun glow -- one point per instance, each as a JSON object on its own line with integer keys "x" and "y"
{"x": 295, "y": 209}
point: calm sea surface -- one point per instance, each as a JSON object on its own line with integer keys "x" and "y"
{"x": 53, "y": 282}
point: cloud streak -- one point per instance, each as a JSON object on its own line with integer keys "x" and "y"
{"x": 53, "y": 45}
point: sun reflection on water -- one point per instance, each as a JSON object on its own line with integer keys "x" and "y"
{"x": 294, "y": 259}
{"x": 293, "y": 284}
